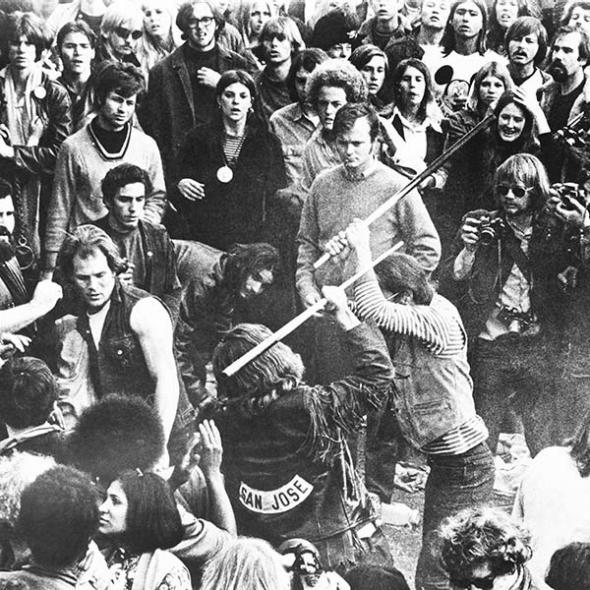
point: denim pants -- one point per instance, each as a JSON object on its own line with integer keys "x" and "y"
{"x": 455, "y": 482}
{"x": 516, "y": 373}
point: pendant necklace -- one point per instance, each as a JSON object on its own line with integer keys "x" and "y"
{"x": 225, "y": 173}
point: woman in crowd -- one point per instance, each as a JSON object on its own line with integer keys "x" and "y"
{"x": 232, "y": 168}
{"x": 503, "y": 14}
{"x": 373, "y": 64}
{"x": 157, "y": 41}
{"x": 121, "y": 29}
{"x": 35, "y": 118}
{"x": 416, "y": 117}
{"x": 483, "y": 548}
{"x": 139, "y": 516}
{"x": 246, "y": 564}
{"x": 577, "y": 14}
{"x": 253, "y": 15}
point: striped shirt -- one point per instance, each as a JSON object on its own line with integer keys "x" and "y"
{"x": 439, "y": 327}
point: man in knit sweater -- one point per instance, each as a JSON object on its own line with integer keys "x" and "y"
{"x": 85, "y": 157}
{"x": 355, "y": 189}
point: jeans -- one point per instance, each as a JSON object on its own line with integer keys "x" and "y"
{"x": 455, "y": 482}
{"x": 515, "y": 373}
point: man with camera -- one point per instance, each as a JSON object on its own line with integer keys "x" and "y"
{"x": 511, "y": 299}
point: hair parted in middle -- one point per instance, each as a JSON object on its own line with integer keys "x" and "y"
{"x": 448, "y": 41}
{"x": 153, "y": 521}
{"x": 85, "y": 241}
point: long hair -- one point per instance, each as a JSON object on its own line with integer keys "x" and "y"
{"x": 248, "y": 259}
{"x": 495, "y": 69}
{"x": 482, "y": 534}
{"x": 526, "y": 142}
{"x": 244, "y": 17}
{"x": 497, "y": 33}
{"x": 185, "y": 14}
{"x": 528, "y": 170}
{"x": 276, "y": 371}
{"x": 529, "y": 25}
{"x": 360, "y": 57}
{"x": 401, "y": 272}
{"x": 245, "y": 564}
{"x": 153, "y": 521}
{"x": 28, "y": 25}
{"x": 448, "y": 39}
{"x": 569, "y": 568}
{"x": 427, "y": 104}
{"x": 307, "y": 59}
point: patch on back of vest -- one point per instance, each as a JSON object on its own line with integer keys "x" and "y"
{"x": 276, "y": 501}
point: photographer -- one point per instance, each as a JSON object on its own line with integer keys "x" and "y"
{"x": 511, "y": 299}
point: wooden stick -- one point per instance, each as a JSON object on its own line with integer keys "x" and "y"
{"x": 415, "y": 182}
{"x": 290, "y": 326}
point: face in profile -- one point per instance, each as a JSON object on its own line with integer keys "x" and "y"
{"x": 113, "y": 511}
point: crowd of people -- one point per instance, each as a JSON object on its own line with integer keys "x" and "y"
{"x": 178, "y": 180}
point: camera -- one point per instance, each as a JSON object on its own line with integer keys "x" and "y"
{"x": 490, "y": 230}
{"x": 568, "y": 193}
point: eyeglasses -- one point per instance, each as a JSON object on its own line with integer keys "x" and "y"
{"x": 206, "y": 21}
{"x": 486, "y": 583}
{"x": 124, "y": 33}
{"x": 517, "y": 191}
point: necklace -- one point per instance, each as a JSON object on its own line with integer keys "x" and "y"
{"x": 231, "y": 153}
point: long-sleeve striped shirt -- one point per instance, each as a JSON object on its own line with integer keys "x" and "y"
{"x": 439, "y": 327}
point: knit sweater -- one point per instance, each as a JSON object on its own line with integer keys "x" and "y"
{"x": 333, "y": 203}
{"x": 77, "y": 195}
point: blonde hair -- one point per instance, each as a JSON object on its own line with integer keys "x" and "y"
{"x": 121, "y": 13}
{"x": 246, "y": 564}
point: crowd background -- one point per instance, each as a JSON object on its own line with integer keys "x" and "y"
{"x": 172, "y": 175}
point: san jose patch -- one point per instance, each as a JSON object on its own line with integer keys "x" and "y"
{"x": 275, "y": 501}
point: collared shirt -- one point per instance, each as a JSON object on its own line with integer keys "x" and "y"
{"x": 294, "y": 129}
{"x": 319, "y": 154}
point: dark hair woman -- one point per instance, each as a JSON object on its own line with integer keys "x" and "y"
{"x": 502, "y": 15}
{"x": 139, "y": 515}
{"x": 373, "y": 64}
{"x": 232, "y": 168}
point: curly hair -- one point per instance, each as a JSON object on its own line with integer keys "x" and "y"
{"x": 28, "y": 390}
{"x": 245, "y": 564}
{"x": 16, "y": 472}
{"x": 482, "y": 535}
{"x": 278, "y": 369}
{"x": 338, "y": 73}
{"x": 120, "y": 176}
{"x": 59, "y": 516}
{"x": 115, "y": 434}
{"x": 153, "y": 521}
{"x": 244, "y": 260}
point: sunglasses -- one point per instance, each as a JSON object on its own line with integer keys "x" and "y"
{"x": 486, "y": 583}
{"x": 517, "y": 191}
{"x": 124, "y": 33}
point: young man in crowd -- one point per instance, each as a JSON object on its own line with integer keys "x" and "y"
{"x": 129, "y": 334}
{"x": 336, "y": 32}
{"x": 295, "y": 123}
{"x": 221, "y": 290}
{"x": 281, "y": 40}
{"x": 181, "y": 88}
{"x": 87, "y": 155}
{"x": 387, "y": 30}
{"x": 563, "y": 99}
{"x": 146, "y": 248}
{"x": 526, "y": 43}
{"x": 433, "y": 19}
{"x": 75, "y": 45}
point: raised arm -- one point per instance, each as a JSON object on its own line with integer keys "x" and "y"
{"x": 152, "y": 325}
